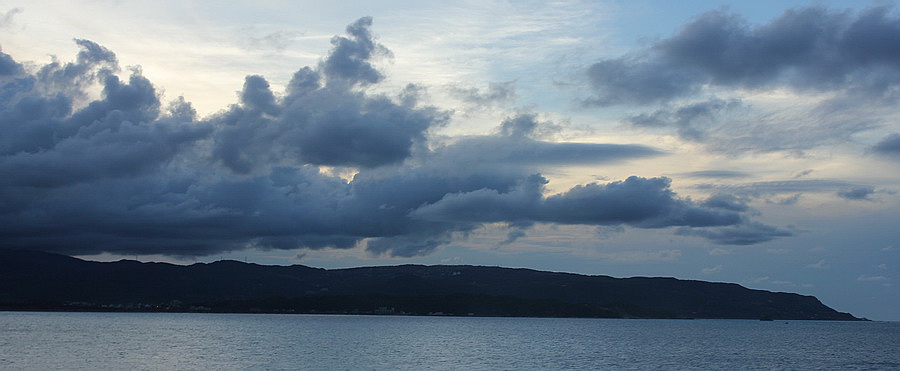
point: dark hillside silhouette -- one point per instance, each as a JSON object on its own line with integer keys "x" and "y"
{"x": 37, "y": 280}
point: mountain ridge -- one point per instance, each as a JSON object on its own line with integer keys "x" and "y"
{"x": 35, "y": 280}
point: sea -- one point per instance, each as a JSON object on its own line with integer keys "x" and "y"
{"x": 192, "y": 341}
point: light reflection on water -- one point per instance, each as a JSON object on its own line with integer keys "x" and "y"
{"x": 38, "y": 340}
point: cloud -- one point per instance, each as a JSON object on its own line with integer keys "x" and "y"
{"x": 838, "y": 65}
{"x": 127, "y": 173}
{"x": 726, "y": 202}
{"x": 522, "y": 126}
{"x": 121, "y": 134}
{"x": 8, "y": 66}
{"x": 638, "y": 202}
{"x": 525, "y": 152}
{"x": 785, "y": 200}
{"x": 790, "y": 191}
{"x": 322, "y": 119}
{"x": 726, "y": 174}
{"x": 328, "y": 125}
{"x": 857, "y": 193}
{"x": 514, "y": 147}
{"x": 794, "y": 187}
{"x": 821, "y": 264}
{"x": 805, "y": 49}
{"x": 889, "y": 146}
{"x": 277, "y": 40}
{"x": 348, "y": 61}
{"x": 6, "y": 19}
{"x": 605, "y": 232}
{"x": 691, "y": 121}
{"x": 495, "y": 93}
{"x": 744, "y": 234}
{"x": 512, "y": 236}
{"x": 733, "y": 127}
{"x": 712, "y": 270}
{"x": 803, "y": 173}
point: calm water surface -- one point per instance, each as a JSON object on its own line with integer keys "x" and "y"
{"x": 40, "y": 341}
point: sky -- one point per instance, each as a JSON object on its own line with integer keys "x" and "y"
{"x": 748, "y": 142}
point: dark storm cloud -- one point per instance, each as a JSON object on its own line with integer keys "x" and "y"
{"x": 120, "y": 134}
{"x": 92, "y": 63}
{"x": 329, "y": 125}
{"x": 804, "y": 49}
{"x": 889, "y": 146}
{"x": 182, "y": 213}
{"x": 122, "y": 174}
{"x": 639, "y": 202}
{"x": 348, "y": 61}
{"x": 322, "y": 120}
{"x": 8, "y": 66}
